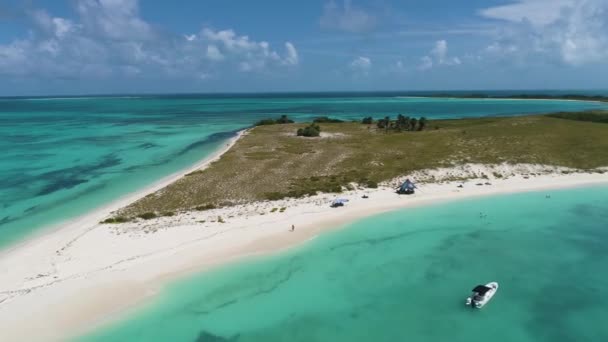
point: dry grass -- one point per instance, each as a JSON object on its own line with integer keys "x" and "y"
{"x": 272, "y": 163}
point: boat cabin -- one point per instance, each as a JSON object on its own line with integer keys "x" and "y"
{"x": 480, "y": 291}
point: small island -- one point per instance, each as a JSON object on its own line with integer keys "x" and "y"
{"x": 271, "y": 162}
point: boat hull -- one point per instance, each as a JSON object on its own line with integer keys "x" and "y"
{"x": 480, "y": 303}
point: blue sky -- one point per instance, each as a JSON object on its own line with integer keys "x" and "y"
{"x": 130, "y": 46}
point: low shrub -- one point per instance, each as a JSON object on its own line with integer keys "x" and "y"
{"x": 496, "y": 174}
{"x": 117, "y": 219}
{"x": 310, "y": 131}
{"x": 265, "y": 122}
{"x": 147, "y": 216}
{"x": 372, "y": 184}
{"x": 282, "y": 120}
{"x": 274, "y": 196}
{"x": 205, "y": 207}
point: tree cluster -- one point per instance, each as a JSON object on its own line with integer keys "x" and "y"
{"x": 402, "y": 123}
{"x": 282, "y": 120}
{"x": 310, "y": 131}
{"x": 325, "y": 119}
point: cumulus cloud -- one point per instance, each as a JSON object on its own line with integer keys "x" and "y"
{"x": 346, "y": 17}
{"x": 113, "y": 19}
{"x": 292, "y": 57}
{"x": 108, "y": 37}
{"x": 214, "y": 54}
{"x": 566, "y": 31}
{"x": 253, "y": 55}
{"x": 438, "y": 56}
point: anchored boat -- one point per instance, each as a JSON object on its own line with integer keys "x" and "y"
{"x": 482, "y": 295}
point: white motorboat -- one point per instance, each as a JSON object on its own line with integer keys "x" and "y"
{"x": 482, "y": 295}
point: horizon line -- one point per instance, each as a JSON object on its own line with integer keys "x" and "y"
{"x": 302, "y": 92}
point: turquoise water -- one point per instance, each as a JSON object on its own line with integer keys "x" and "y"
{"x": 65, "y": 156}
{"x": 404, "y": 276}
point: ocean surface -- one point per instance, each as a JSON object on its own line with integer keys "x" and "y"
{"x": 63, "y": 157}
{"x": 404, "y": 276}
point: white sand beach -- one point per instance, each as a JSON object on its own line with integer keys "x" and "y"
{"x": 82, "y": 274}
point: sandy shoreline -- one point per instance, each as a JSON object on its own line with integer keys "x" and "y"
{"x": 74, "y": 278}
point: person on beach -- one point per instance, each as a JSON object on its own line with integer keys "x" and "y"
{"x": 293, "y": 228}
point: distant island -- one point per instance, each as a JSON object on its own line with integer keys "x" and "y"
{"x": 571, "y": 97}
{"x": 272, "y": 162}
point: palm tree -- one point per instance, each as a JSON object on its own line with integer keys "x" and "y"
{"x": 413, "y": 122}
{"x": 422, "y": 123}
{"x": 402, "y": 122}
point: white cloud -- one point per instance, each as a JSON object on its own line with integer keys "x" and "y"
{"x": 567, "y": 31}
{"x": 438, "y": 56}
{"x": 113, "y": 19}
{"x": 292, "y": 57}
{"x": 346, "y": 17}
{"x": 214, "y": 54}
{"x": 537, "y": 12}
{"x": 109, "y": 37}
{"x": 49, "y": 26}
{"x": 440, "y": 50}
{"x": 254, "y": 55}
{"x": 361, "y": 64}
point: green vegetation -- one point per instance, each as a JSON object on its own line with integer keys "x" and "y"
{"x": 280, "y": 121}
{"x": 270, "y": 163}
{"x": 205, "y": 207}
{"x": 309, "y": 131}
{"x": 325, "y": 119}
{"x": 590, "y": 116}
{"x": 402, "y": 123}
{"x": 117, "y": 219}
{"x": 147, "y": 215}
{"x": 368, "y": 120}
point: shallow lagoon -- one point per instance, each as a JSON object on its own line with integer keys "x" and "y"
{"x": 404, "y": 276}
{"x": 63, "y": 157}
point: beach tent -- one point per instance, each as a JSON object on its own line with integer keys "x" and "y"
{"x": 408, "y": 187}
{"x": 338, "y": 202}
